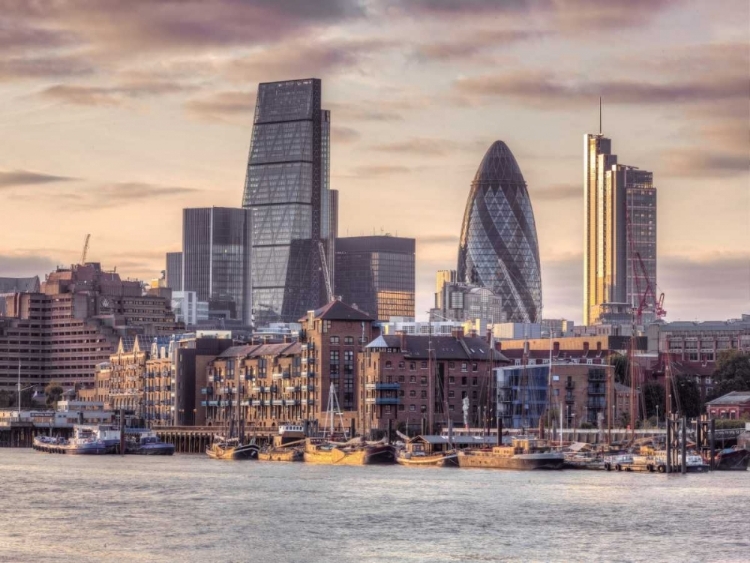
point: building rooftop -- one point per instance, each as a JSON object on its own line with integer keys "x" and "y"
{"x": 444, "y": 347}
{"x": 733, "y": 398}
{"x": 339, "y": 311}
{"x": 19, "y": 285}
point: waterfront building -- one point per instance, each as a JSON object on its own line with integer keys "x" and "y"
{"x": 287, "y": 189}
{"x": 694, "y": 347}
{"x": 290, "y": 381}
{"x": 74, "y": 323}
{"x": 376, "y": 273}
{"x": 732, "y": 406}
{"x": 498, "y": 248}
{"x": 174, "y": 271}
{"x": 216, "y": 260}
{"x": 408, "y": 325}
{"x": 620, "y": 232}
{"x": 582, "y": 391}
{"x": 467, "y": 303}
{"x": 417, "y": 382}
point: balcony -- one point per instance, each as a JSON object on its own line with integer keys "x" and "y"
{"x": 281, "y": 375}
{"x": 304, "y": 361}
{"x": 308, "y": 373}
{"x": 382, "y": 400}
{"x": 597, "y": 390}
{"x": 383, "y": 386}
{"x": 291, "y": 402}
{"x": 596, "y": 403}
{"x": 309, "y": 387}
{"x": 570, "y": 384}
{"x": 570, "y": 399}
{"x": 257, "y": 402}
{"x": 277, "y": 402}
{"x": 292, "y": 389}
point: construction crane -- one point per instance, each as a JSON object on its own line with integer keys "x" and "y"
{"x": 85, "y": 249}
{"x": 326, "y": 273}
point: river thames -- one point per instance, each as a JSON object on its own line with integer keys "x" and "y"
{"x": 189, "y": 508}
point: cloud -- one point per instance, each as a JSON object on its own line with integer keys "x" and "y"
{"x": 44, "y": 67}
{"x": 344, "y": 135}
{"x": 111, "y": 95}
{"x": 15, "y": 178}
{"x": 694, "y": 162}
{"x": 420, "y": 146}
{"x": 127, "y": 28}
{"x": 22, "y": 38}
{"x": 302, "y": 59}
{"x": 364, "y": 111}
{"x": 437, "y": 239}
{"x": 376, "y": 170}
{"x": 558, "y": 192}
{"x": 472, "y": 47}
{"x": 19, "y": 265}
{"x": 229, "y": 106}
{"x": 545, "y": 90}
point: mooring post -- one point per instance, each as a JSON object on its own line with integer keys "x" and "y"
{"x": 712, "y": 438}
{"x": 684, "y": 445}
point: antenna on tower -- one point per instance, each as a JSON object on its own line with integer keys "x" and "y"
{"x": 600, "y": 115}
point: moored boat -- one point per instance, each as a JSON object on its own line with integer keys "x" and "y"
{"x": 231, "y": 449}
{"x": 417, "y": 459}
{"x": 354, "y": 452}
{"x": 282, "y": 454}
{"x": 147, "y": 443}
{"x": 83, "y": 442}
{"x": 524, "y": 453}
{"x": 733, "y": 459}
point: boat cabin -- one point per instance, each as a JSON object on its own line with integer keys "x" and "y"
{"x": 433, "y": 444}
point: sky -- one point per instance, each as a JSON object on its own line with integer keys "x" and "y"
{"x": 116, "y": 114}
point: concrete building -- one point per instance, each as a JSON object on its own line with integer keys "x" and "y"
{"x": 419, "y": 382}
{"x": 467, "y": 303}
{"x": 514, "y": 331}
{"x": 620, "y": 232}
{"x": 408, "y": 325}
{"x": 187, "y": 309}
{"x": 287, "y": 187}
{"x": 557, "y": 327}
{"x": 376, "y": 274}
{"x": 73, "y": 324}
{"x": 216, "y": 260}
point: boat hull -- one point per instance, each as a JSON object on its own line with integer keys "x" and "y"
{"x": 437, "y": 460}
{"x": 234, "y": 453}
{"x": 335, "y": 456}
{"x": 734, "y": 460}
{"x": 70, "y": 449}
{"x": 521, "y": 462}
{"x": 283, "y": 455}
{"x": 160, "y": 449}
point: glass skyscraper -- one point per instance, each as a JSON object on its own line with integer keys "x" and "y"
{"x": 377, "y": 275}
{"x": 620, "y": 225}
{"x": 174, "y": 271}
{"x": 216, "y": 260}
{"x": 287, "y": 189}
{"x": 498, "y": 248}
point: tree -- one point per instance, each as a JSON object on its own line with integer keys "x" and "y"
{"x": 54, "y": 393}
{"x": 622, "y": 368}
{"x": 732, "y": 372}
{"x": 689, "y": 395}
{"x": 654, "y": 396}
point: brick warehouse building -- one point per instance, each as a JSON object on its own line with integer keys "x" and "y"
{"x": 291, "y": 381}
{"x": 410, "y": 380}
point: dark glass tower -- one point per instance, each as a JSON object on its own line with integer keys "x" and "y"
{"x": 174, "y": 271}
{"x": 498, "y": 248}
{"x": 287, "y": 188}
{"x": 216, "y": 260}
{"x": 377, "y": 275}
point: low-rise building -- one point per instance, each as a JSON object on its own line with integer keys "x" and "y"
{"x": 416, "y": 382}
{"x": 733, "y": 406}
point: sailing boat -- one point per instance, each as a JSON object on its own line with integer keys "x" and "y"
{"x": 352, "y": 452}
{"x": 232, "y": 447}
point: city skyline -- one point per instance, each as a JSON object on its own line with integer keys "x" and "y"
{"x": 144, "y": 139}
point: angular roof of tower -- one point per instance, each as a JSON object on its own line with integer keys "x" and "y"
{"x": 339, "y": 311}
{"x": 499, "y": 165}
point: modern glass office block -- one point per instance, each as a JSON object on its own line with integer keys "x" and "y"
{"x": 498, "y": 247}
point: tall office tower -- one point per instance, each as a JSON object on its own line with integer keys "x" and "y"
{"x": 442, "y": 278}
{"x": 620, "y": 232}
{"x": 333, "y": 234}
{"x": 216, "y": 260}
{"x": 597, "y": 277}
{"x": 498, "y": 247}
{"x": 287, "y": 188}
{"x": 174, "y": 271}
{"x": 377, "y": 275}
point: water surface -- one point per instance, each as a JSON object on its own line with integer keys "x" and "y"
{"x": 189, "y": 508}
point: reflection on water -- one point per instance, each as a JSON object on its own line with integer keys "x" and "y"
{"x": 190, "y": 508}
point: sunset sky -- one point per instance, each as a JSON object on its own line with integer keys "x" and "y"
{"x": 116, "y": 114}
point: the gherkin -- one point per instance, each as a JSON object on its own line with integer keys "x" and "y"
{"x": 498, "y": 247}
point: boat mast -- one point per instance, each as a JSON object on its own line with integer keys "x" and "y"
{"x": 19, "y": 389}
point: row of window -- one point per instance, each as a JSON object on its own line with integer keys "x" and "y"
{"x": 423, "y": 365}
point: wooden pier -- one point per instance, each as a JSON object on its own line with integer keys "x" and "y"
{"x": 195, "y": 439}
